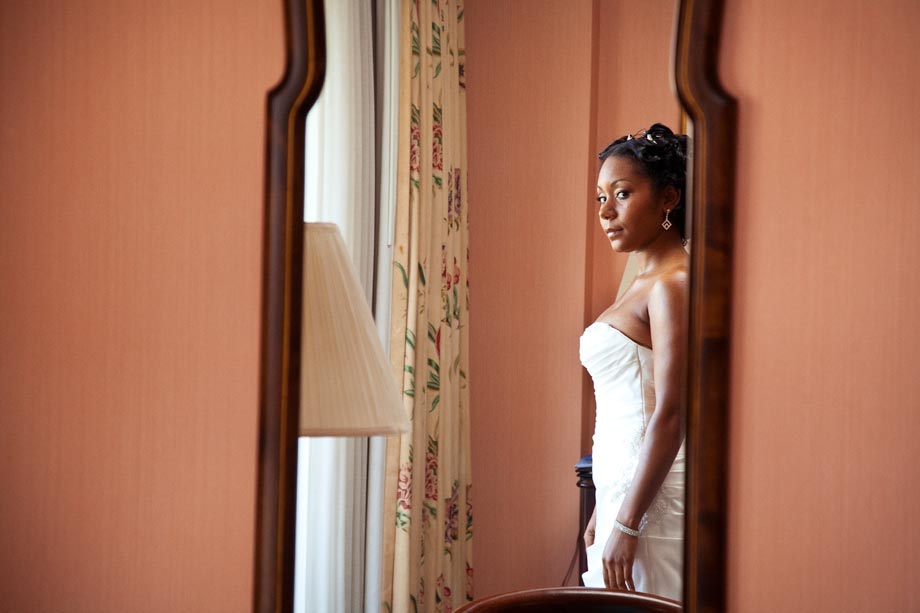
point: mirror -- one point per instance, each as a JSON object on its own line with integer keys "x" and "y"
{"x": 550, "y": 85}
{"x": 712, "y": 115}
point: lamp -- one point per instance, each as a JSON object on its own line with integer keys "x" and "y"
{"x": 347, "y": 388}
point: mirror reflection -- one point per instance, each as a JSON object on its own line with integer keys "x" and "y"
{"x": 503, "y": 242}
{"x": 549, "y": 88}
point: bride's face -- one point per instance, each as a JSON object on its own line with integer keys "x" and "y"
{"x": 631, "y": 209}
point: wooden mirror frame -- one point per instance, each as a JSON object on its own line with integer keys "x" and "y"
{"x": 713, "y": 114}
{"x": 282, "y": 300}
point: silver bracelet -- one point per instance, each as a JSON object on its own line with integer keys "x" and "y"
{"x": 625, "y": 529}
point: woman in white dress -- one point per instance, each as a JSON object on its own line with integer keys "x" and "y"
{"x": 636, "y": 355}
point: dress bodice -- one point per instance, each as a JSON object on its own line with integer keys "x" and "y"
{"x": 624, "y": 392}
{"x": 624, "y": 389}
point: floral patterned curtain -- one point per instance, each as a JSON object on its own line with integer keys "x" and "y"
{"x": 428, "y": 526}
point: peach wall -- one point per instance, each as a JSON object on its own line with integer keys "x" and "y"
{"x": 130, "y": 252}
{"x": 541, "y": 95}
{"x": 528, "y": 106}
{"x": 826, "y": 393}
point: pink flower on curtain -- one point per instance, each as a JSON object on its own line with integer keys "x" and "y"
{"x": 445, "y": 276}
{"x": 431, "y": 469}
{"x": 454, "y": 202}
{"x": 450, "y": 200}
{"x": 442, "y": 594}
{"x": 404, "y": 495}
{"x": 457, "y": 194}
{"x": 436, "y": 156}
{"x": 469, "y": 582}
{"x": 451, "y": 522}
{"x": 415, "y": 134}
{"x": 404, "y": 487}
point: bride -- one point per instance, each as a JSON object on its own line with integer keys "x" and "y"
{"x": 636, "y": 355}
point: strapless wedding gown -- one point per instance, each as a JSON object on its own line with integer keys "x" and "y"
{"x": 624, "y": 389}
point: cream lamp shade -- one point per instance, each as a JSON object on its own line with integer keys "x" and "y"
{"x": 347, "y": 388}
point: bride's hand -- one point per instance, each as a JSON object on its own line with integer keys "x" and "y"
{"x": 619, "y": 555}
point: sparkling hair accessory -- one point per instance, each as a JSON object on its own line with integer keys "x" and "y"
{"x": 648, "y": 137}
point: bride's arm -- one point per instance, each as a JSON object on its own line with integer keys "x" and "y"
{"x": 667, "y": 313}
{"x": 667, "y": 310}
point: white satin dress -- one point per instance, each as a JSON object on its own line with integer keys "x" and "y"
{"x": 624, "y": 390}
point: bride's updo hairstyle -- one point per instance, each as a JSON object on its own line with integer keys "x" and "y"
{"x": 662, "y": 156}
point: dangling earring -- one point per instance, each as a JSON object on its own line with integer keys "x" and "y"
{"x": 666, "y": 223}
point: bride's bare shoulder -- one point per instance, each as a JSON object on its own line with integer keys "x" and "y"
{"x": 671, "y": 285}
